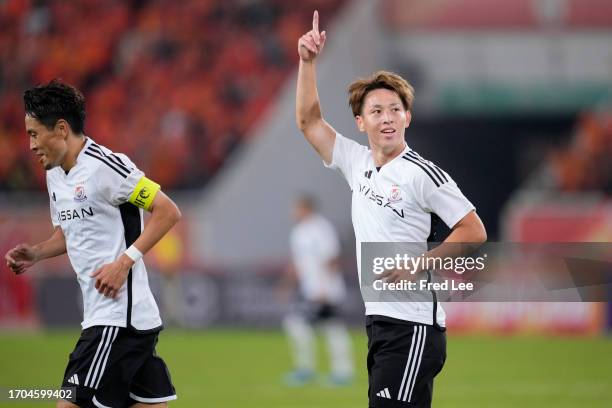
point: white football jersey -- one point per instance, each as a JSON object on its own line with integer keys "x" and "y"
{"x": 90, "y": 205}
{"x": 396, "y": 204}
{"x": 314, "y": 244}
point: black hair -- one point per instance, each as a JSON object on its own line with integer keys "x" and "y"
{"x": 54, "y": 101}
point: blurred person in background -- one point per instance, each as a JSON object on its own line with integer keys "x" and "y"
{"x": 96, "y": 200}
{"x": 395, "y": 194}
{"x": 315, "y": 272}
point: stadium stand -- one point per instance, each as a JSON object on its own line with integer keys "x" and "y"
{"x": 584, "y": 165}
{"x": 175, "y": 85}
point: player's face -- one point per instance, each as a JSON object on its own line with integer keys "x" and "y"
{"x": 300, "y": 211}
{"x": 49, "y": 146}
{"x": 384, "y": 119}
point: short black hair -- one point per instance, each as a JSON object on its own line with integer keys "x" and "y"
{"x": 54, "y": 101}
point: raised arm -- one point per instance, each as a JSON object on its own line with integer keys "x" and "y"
{"x": 307, "y": 106}
{"x": 20, "y": 258}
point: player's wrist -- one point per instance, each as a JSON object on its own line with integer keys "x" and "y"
{"x": 125, "y": 262}
{"x": 132, "y": 254}
{"x": 36, "y": 254}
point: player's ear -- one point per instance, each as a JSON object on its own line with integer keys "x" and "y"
{"x": 61, "y": 128}
{"x": 408, "y": 118}
{"x": 360, "y": 124}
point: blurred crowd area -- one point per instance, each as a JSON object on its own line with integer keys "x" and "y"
{"x": 175, "y": 85}
{"x": 585, "y": 164}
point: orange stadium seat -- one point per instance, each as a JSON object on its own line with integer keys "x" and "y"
{"x": 175, "y": 85}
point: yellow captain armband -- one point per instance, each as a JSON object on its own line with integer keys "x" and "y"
{"x": 144, "y": 193}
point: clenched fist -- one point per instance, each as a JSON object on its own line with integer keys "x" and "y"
{"x": 20, "y": 258}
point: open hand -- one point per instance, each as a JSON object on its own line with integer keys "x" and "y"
{"x": 311, "y": 43}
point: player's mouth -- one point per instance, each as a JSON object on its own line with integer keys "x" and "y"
{"x": 388, "y": 131}
{"x": 41, "y": 157}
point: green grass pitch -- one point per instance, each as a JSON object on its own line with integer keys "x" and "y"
{"x": 244, "y": 368}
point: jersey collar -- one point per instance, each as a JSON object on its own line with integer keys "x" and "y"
{"x": 79, "y": 158}
{"x": 403, "y": 152}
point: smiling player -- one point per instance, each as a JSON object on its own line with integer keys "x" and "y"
{"x": 97, "y": 199}
{"x": 395, "y": 195}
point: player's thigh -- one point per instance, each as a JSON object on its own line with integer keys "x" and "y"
{"x": 402, "y": 369}
{"x": 142, "y": 405}
{"x": 152, "y": 383}
{"x": 386, "y": 379}
{"x": 65, "y": 404}
{"x": 117, "y": 366}
{"x": 82, "y": 362}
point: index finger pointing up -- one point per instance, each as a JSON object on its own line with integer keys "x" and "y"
{"x": 315, "y": 21}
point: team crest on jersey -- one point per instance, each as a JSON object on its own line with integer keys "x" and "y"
{"x": 79, "y": 194}
{"x": 396, "y": 194}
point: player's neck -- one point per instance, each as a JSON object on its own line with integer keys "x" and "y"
{"x": 75, "y": 145}
{"x": 382, "y": 156}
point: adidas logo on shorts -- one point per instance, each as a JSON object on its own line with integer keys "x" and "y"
{"x": 74, "y": 379}
{"x": 384, "y": 394}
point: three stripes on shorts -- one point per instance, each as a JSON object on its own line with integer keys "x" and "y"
{"x": 415, "y": 355}
{"x": 98, "y": 364}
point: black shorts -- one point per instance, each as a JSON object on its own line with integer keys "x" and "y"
{"x": 115, "y": 367}
{"x": 315, "y": 312}
{"x": 403, "y": 359}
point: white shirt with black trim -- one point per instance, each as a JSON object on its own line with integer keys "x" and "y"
{"x": 90, "y": 205}
{"x": 396, "y": 204}
{"x": 314, "y": 245}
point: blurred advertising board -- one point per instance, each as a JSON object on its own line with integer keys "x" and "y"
{"x": 543, "y": 223}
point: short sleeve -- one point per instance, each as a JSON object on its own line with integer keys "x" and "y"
{"x": 52, "y": 209}
{"x": 117, "y": 178}
{"x": 436, "y": 192}
{"x": 344, "y": 156}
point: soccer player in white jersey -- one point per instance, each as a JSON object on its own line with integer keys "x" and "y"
{"x": 395, "y": 194}
{"x": 97, "y": 199}
{"x": 315, "y": 268}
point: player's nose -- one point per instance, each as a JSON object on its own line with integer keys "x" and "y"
{"x": 387, "y": 119}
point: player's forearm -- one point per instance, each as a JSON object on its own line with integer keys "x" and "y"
{"x": 164, "y": 215}
{"x": 308, "y": 107}
{"x": 54, "y": 246}
{"x": 458, "y": 243}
